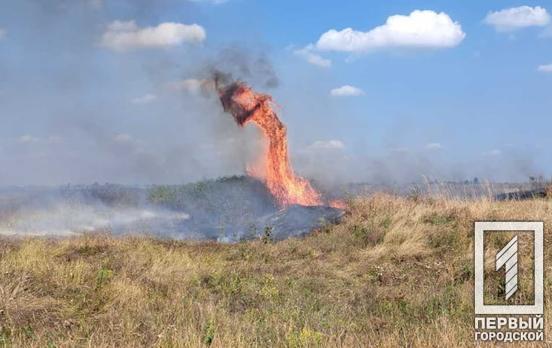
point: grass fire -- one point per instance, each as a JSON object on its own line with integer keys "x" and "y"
{"x": 274, "y": 167}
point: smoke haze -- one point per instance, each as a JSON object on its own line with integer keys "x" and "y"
{"x": 75, "y": 111}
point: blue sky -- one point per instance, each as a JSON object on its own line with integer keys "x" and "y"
{"x": 97, "y": 90}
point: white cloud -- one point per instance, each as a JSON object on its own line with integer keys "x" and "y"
{"x": 518, "y": 17}
{"x": 145, "y": 99}
{"x": 434, "y": 146}
{"x": 346, "y": 91}
{"x": 2, "y": 33}
{"x": 419, "y": 29}
{"x": 121, "y": 36}
{"x": 545, "y": 68}
{"x": 327, "y": 145}
{"x": 308, "y": 54}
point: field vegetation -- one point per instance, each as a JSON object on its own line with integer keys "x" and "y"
{"x": 396, "y": 272}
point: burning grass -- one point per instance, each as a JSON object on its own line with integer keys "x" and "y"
{"x": 395, "y": 272}
{"x": 273, "y": 167}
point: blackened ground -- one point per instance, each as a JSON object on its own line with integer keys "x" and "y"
{"x": 227, "y": 209}
{"x": 297, "y": 220}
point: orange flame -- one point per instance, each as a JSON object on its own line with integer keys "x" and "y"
{"x": 247, "y": 106}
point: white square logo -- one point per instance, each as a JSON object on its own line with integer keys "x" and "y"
{"x": 506, "y": 259}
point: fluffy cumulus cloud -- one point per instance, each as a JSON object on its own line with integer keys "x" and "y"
{"x": 547, "y": 68}
{"x": 426, "y": 29}
{"x": 517, "y": 18}
{"x": 121, "y": 36}
{"x": 346, "y": 91}
{"x": 308, "y": 53}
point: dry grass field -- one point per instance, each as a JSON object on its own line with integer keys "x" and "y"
{"x": 397, "y": 272}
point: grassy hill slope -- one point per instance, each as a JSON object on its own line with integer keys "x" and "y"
{"x": 396, "y": 272}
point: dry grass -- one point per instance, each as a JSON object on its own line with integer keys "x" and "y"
{"x": 396, "y": 273}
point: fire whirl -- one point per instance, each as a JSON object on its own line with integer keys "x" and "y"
{"x": 247, "y": 106}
